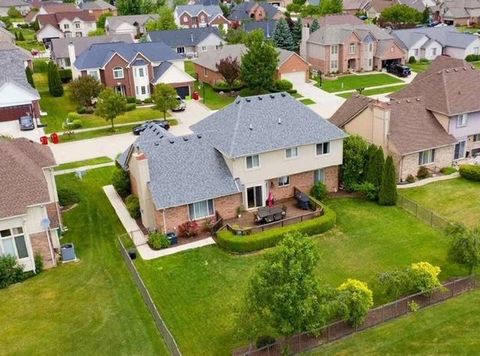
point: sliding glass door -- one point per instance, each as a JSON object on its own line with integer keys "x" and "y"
{"x": 254, "y": 197}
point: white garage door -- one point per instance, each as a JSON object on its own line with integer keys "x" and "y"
{"x": 294, "y": 77}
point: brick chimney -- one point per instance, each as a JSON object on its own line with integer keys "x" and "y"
{"x": 303, "y": 42}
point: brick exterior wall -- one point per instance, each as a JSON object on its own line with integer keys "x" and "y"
{"x": 220, "y": 20}
{"x": 409, "y": 163}
{"x": 211, "y": 77}
{"x": 331, "y": 178}
{"x": 41, "y": 246}
{"x": 294, "y": 64}
{"x": 127, "y": 80}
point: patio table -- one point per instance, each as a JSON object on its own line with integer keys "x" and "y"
{"x": 268, "y": 215}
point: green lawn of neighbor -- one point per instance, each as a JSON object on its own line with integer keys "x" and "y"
{"x": 90, "y": 307}
{"x": 455, "y": 199}
{"x": 87, "y": 162}
{"x": 212, "y": 99}
{"x": 197, "y": 292}
{"x": 307, "y": 101}
{"x": 450, "y": 328}
{"x": 190, "y": 68}
{"x": 30, "y": 41}
{"x": 352, "y": 82}
{"x": 419, "y": 67}
{"x": 368, "y": 92}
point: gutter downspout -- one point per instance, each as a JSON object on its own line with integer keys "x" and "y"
{"x": 164, "y": 222}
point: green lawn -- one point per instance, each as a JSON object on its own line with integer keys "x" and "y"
{"x": 30, "y": 41}
{"x": 352, "y": 82}
{"x": 190, "y": 68}
{"x": 419, "y": 67}
{"x": 87, "y": 162}
{"x": 307, "y": 101}
{"x": 86, "y": 308}
{"x": 455, "y": 199}
{"x": 450, "y": 328}
{"x": 377, "y": 91}
{"x": 198, "y": 291}
{"x": 213, "y": 100}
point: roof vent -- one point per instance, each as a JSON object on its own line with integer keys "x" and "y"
{"x": 171, "y": 141}
{"x": 283, "y": 95}
{"x": 185, "y": 138}
{"x": 161, "y": 136}
{"x": 157, "y": 143}
{"x": 260, "y": 98}
{"x": 279, "y": 120}
{"x": 464, "y": 68}
{"x": 247, "y": 100}
{"x": 237, "y": 102}
{"x": 272, "y": 96}
{"x": 398, "y": 102}
{"x": 250, "y": 127}
{"x": 418, "y": 99}
{"x": 455, "y": 69}
{"x": 199, "y": 136}
{"x": 389, "y": 103}
{"x": 408, "y": 101}
{"x": 447, "y": 70}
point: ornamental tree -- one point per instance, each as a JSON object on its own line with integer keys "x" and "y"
{"x": 465, "y": 246}
{"x": 282, "y": 37}
{"x": 229, "y": 68}
{"x": 375, "y": 168}
{"x": 355, "y": 300}
{"x": 297, "y": 33}
{"x": 84, "y": 89}
{"x": 387, "y": 194}
{"x": 314, "y": 26}
{"x": 110, "y": 104}
{"x": 165, "y": 98}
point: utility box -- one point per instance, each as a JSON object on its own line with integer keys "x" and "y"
{"x": 68, "y": 253}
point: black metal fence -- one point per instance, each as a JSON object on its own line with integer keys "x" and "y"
{"x": 424, "y": 214}
{"x": 337, "y": 330}
{"x": 167, "y": 335}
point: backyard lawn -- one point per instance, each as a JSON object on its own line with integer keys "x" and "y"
{"x": 198, "y": 291}
{"x": 450, "y": 328}
{"x": 86, "y": 308}
{"x": 213, "y": 99}
{"x": 455, "y": 199}
{"x": 30, "y": 42}
{"x": 353, "y": 81}
{"x": 377, "y": 91}
{"x": 87, "y": 162}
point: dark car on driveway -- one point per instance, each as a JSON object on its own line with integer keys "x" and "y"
{"x": 140, "y": 128}
{"x": 399, "y": 70}
{"x": 26, "y": 123}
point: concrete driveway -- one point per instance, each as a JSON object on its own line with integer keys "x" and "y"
{"x": 194, "y": 113}
{"x": 12, "y": 128}
{"x": 325, "y": 103}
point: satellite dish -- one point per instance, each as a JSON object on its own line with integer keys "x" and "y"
{"x": 45, "y": 223}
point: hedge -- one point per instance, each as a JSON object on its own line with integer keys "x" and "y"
{"x": 470, "y": 172}
{"x": 269, "y": 238}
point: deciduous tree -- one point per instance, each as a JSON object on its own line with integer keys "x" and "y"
{"x": 354, "y": 157}
{"x": 165, "y": 21}
{"x": 465, "y": 246}
{"x": 400, "y": 14}
{"x": 110, "y": 104}
{"x": 229, "y": 68}
{"x": 165, "y": 98}
{"x": 84, "y": 89}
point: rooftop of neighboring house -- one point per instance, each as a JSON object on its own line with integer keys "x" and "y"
{"x": 267, "y": 26}
{"x": 54, "y": 6}
{"x": 205, "y": 2}
{"x": 445, "y": 35}
{"x": 339, "y": 19}
{"x": 183, "y": 37}
{"x": 412, "y": 128}
{"x": 418, "y": 5}
{"x": 21, "y": 170}
{"x": 194, "y": 10}
{"x": 13, "y": 3}
{"x": 56, "y": 18}
{"x": 355, "y": 4}
{"x": 6, "y": 33}
{"x": 13, "y": 58}
{"x": 191, "y": 168}
{"x": 115, "y": 21}
{"x": 447, "y": 90}
{"x": 59, "y": 46}
{"x": 97, "y": 5}
{"x": 458, "y": 9}
{"x": 241, "y": 12}
{"x": 98, "y": 55}
{"x": 211, "y": 58}
{"x": 263, "y": 123}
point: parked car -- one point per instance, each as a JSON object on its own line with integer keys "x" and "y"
{"x": 26, "y": 123}
{"x": 140, "y": 128}
{"x": 181, "y": 105}
{"x": 399, "y": 70}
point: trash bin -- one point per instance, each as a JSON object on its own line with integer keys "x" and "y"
{"x": 44, "y": 140}
{"x": 68, "y": 252}
{"x": 195, "y": 95}
{"x": 54, "y": 138}
{"x": 132, "y": 253}
{"x": 172, "y": 237}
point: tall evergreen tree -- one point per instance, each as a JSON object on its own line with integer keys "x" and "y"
{"x": 282, "y": 37}
{"x": 29, "y": 74}
{"x": 314, "y": 26}
{"x": 297, "y": 33}
{"x": 54, "y": 82}
{"x": 375, "y": 168}
{"x": 370, "y": 153}
{"x": 388, "y": 189}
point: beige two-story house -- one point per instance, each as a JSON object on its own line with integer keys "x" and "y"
{"x": 65, "y": 24}
{"x": 257, "y": 146}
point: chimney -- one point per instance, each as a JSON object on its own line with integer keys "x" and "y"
{"x": 303, "y": 42}
{"x": 71, "y": 54}
{"x": 381, "y": 125}
{"x": 191, "y": 36}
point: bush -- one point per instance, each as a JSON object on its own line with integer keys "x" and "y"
{"x": 282, "y": 85}
{"x": 67, "y": 197}
{"x": 133, "y": 206}
{"x": 138, "y": 102}
{"x": 241, "y": 244}
{"x": 38, "y": 263}
{"x": 355, "y": 300}
{"x": 412, "y": 60}
{"x": 410, "y": 178}
{"x": 319, "y": 191}
{"x": 188, "y": 229}
{"x": 470, "y": 172}
{"x": 10, "y": 272}
{"x": 65, "y": 75}
{"x": 121, "y": 182}
{"x": 424, "y": 277}
{"x": 423, "y": 173}
{"x": 424, "y": 60}
{"x": 81, "y": 110}
{"x": 40, "y": 66}
{"x": 131, "y": 99}
{"x": 222, "y": 86}
{"x": 208, "y": 224}
{"x": 157, "y": 241}
{"x": 395, "y": 283}
{"x": 148, "y": 101}
{"x": 447, "y": 170}
{"x": 74, "y": 116}
{"x": 367, "y": 190}
{"x": 264, "y": 340}
{"x": 131, "y": 106}
{"x": 250, "y": 92}
{"x": 472, "y": 57}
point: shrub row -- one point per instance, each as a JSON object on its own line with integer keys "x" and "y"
{"x": 472, "y": 57}
{"x": 470, "y": 172}
{"x": 241, "y": 244}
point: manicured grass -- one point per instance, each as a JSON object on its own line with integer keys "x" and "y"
{"x": 85, "y": 135}
{"x": 87, "y": 162}
{"x": 307, "y": 101}
{"x": 30, "y": 39}
{"x": 419, "y": 67}
{"x": 352, "y": 82}
{"x": 90, "y": 307}
{"x": 199, "y": 291}
{"x": 368, "y": 92}
{"x": 450, "y": 328}
{"x": 297, "y": 95}
{"x": 190, "y": 68}
{"x": 213, "y": 100}
{"x": 455, "y": 199}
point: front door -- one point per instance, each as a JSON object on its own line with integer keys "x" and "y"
{"x": 254, "y": 197}
{"x": 459, "y": 150}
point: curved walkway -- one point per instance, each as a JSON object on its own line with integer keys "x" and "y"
{"x": 426, "y": 181}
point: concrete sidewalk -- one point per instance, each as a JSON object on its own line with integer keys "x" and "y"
{"x": 148, "y": 254}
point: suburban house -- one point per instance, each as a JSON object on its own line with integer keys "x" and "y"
{"x": 254, "y": 11}
{"x": 30, "y": 220}
{"x": 458, "y": 12}
{"x": 133, "y": 25}
{"x": 354, "y": 7}
{"x": 97, "y": 7}
{"x": 189, "y": 42}
{"x": 291, "y": 66}
{"x": 59, "y": 47}
{"x": 48, "y": 7}
{"x": 349, "y": 47}
{"x": 280, "y": 3}
{"x": 133, "y": 69}
{"x": 192, "y": 16}
{"x": 65, "y": 24}
{"x": 22, "y": 6}
{"x": 17, "y": 97}
{"x": 430, "y": 42}
{"x": 254, "y": 147}
{"x": 267, "y": 26}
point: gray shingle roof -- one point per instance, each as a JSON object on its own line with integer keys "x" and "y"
{"x": 336, "y": 34}
{"x": 265, "y": 123}
{"x": 445, "y": 35}
{"x": 98, "y": 55}
{"x": 182, "y": 170}
{"x": 160, "y": 70}
{"x": 268, "y": 27}
{"x": 96, "y": 5}
{"x": 240, "y": 12}
{"x": 183, "y": 37}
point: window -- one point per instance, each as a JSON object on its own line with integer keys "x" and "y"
{"x": 369, "y": 62}
{"x": 351, "y": 48}
{"x": 205, "y": 72}
{"x": 334, "y": 64}
{"x": 141, "y": 72}
{"x": 476, "y": 138}
{"x": 12, "y": 242}
{"x": 254, "y": 197}
{"x": 291, "y": 152}
{"x": 204, "y": 49}
{"x": 459, "y": 151}
{"x": 319, "y": 175}
{"x": 185, "y": 18}
{"x": 334, "y": 49}
{"x": 415, "y": 51}
{"x": 181, "y": 50}
{"x": 66, "y": 26}
{"x": 252, "y": 161}
{"x": 476, "y": 50}
{"x": 370, "y": 47}
{"x": 462, "y": 120}
{"x": 78, "y": 34}
{"x": 201, "y": 210}
{"x": 118, "y": 73}
{"x": 323, "y": 148}
{"x": 284, "y": 181}
{"x": 137, "y": 91}
{"x": 77, "y": 24}
{"x": 426, "y": 157}
{"x": 143, "y": 90}
{"x": 434, "y": 51}
{"x": 93, "y": 73}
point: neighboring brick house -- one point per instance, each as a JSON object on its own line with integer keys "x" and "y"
{"x": 235, "y": 157}
{"x": 98, "y": 7}
{"x": 189, "y": 42}
{"x": 17, "y": 97}
{"x": 30, "y": 221}
{"x": 22, "y": 6}
{"x": 457, "y": 12}
{"x": 65, "y": 24}
{"x": 291, "y": 66}
{"x": 349, "y": 47}
{"x": 133, "y": 69}
{"x": 353, "y": 7}
{"x": 254, "y": 11}
{"x": 134, "y": 25}
{"x": 193, "y": 16}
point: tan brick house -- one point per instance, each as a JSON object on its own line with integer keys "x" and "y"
{"x": 194, "y": 16}
{"x": 236, "y": 157}
{"x": 30, "y": 220}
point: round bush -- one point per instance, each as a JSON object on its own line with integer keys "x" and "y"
{"x": 412, "y": 60}
{"x": 355, "y": 300}
{"x": 157, "y": 241}
{"x": 470, "y": 172}
{"x": 67, "y": 197}
{"x": 148, "y": 101}
{"x": 77, "y": 123}
{"x": 423, "y": 173}
{"x": 319, "y": 191}
{"x": 74, "y": 116}
{"x": 133, "y": 206}
{"x": 424, "y": 276}
{"x": 282, "y": 84}
{"x": 131, "y": 99}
